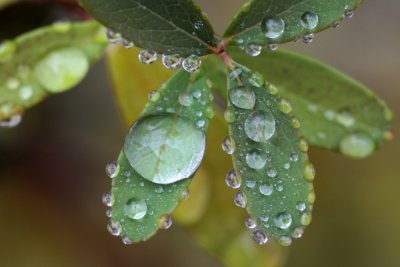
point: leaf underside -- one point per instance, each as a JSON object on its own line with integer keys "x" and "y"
{"x": 329, "y": 104}
{"x": 245, "y": 28}
{"x": 19, "y": 85}
{"x": 279, "y": 186}
{"x": 128, "y": 184}
{"x": 166, "y": 26}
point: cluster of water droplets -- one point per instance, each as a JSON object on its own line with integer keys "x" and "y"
{"x": 273, "y": 28}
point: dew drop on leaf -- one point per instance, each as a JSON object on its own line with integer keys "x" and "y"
{"x": 240, "y": 199}
{"x": 259, "y": 237}
{"x": 108, "y": 199}
{"x": 147, "y": 56}
{"x": 11, "y": 122}
{"x": 135, "y": 209}
{"x": 114, "y": 228}
{"x": 308, "y": 38}
{"x": 260, "y": 126}
{"x": 61, "y": 26}
{"x": 256, "y": 160}
{"x": 171, "y": 61}
{"x": 283, "y": 220}
{"x": 127, "y": 44}
{"x": 228, "y": 145}
{"x": 253, "y": 50}
{"x": 309, "y": 20}
{"x": 164, "y": 148}
{"x": 298, "y": 232}
{"x": 348, "y": 14}
{"x": 126, "y": 240}
{"x": 112, "y": 169}
{"x": 242, "y": 97}
{"x": 232, "y": 179}
{"x": 250, "y": 223}
{"x": 273, "y": 27}
{"x": 357, "y": 145}
{"x": 191, "y": 63}
{"x": 113, "y": 37}
{"x": 309, "y": 172}
{"x": 301, "y": 206}
{"x": 345, "y": 119}
{"x": 266, "y": 189}
{"x": 186, "y": 99}
{"x": 165, "y": 222}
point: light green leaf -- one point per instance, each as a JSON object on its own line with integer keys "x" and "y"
{"x": 166, "y": 26}
{"x": 139, "y": 206}
{"x": 335, "y": 111}
{"x": 271, "y": 166}
{"x": 48, "y": 60}
{"x": 265, "y": 22}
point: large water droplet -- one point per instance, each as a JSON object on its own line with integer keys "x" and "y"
{"x": 309, "y": 20}
{"x": 7, "y": 50}
{"x": 164, "y": 148}
{"x": 135, "y": 209}
{"x": 147, "y": 56}
{"x": 357, "y": 145}
{"x": 259, "y": 237}
{"x": 240, "y": 199}
{"x": 186, "y": 99}
{"x": 62, "y": 69}
{"x": 260, "y": 126}
{"x": 12, "y": 122}
{"x": 228, "y": 145}
{"x": 232, "y": 180}
{"x": 114, "y": 228}
{"x": 273, "y": 27}
{"x": 266, "y": 189}
{"x": 171, "y": 61}
{"x": 253, "y": 50}
{"x": 256, "y": 160}
{"x": 192, "y": 63}
{"x": 283, "y": 220}
{"x": 242, "y": 97}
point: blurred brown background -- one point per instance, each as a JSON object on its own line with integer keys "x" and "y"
{"x": 52, "y": 178}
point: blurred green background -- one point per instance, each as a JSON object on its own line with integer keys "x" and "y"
{"x": 52, "y": 165}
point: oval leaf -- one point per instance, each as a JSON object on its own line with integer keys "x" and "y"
{"x": 269, "y": 157}
{"x": 265, "y": 22}
{"x": 166, "y": 26}
{"x": 335, "y": 111}
{"x": 141, "y": 207}
{"x": 48, "y": 60}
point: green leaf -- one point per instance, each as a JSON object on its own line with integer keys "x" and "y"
{"x": 5, "y": 3}
{"x": 265, "y": 22}
{"x": 335, "y": 111}
{"x": 270, "y": 160}
{"x": 139, "y": 206}
{"x": 48, "y": 60}
{"x": 166, "y": 26}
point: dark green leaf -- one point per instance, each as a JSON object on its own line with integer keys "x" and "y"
{"x": 269, "y": 159}
{"x": 335, "y": 111}
{"x": 166, "y": 26}
{"x": 47, "y": 60}
{"x": 139, "y": 206}
{"x": 265, "y": 22}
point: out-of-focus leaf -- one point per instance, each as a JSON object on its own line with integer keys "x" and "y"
{"x": 270, "y": 161}
{"x": 48, "y": 60}
{"x": 335, "y": 111}
{"x": 265, "y": 22}
{"x": 166, "y": 26}
{"x": 4, "y": 3}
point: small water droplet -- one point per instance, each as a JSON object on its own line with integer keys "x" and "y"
{"x": 61, "y": 26}
{"x": 272, "y": 172}
{"x": 126, "y": 240}
{"x": 283, "y": 220}
{"x": 303, "y": 145}
{"x": 309, "y": 20}
{"x": 330, "y": 115}
{"x": 294, "y": 157}
{"x": 253, "y": 50}
{"x": 127, "y": 44}
{"x": 285, "y": 106}
{"x": 12, "y": 84}
{"x": 165, "y": 222}
{"x": 285, "y": 241}
{"x": 228, "y": 145}
{"x": 266, "y": 189}
{"x": 159, "y": 189}
{"x": 198, "y": 24}
{"x": 309, "y": 172}
{"x": 232, "y": 180}
{"x": 305, "y": 218}
{"x": 112, "y": 169}
{"x": 11, "y": 122}
{"x": 153, "y": 139}
{"x": 273, "y": 27}
{"x": 336, "y": 24}
{"x": 229, "y": 116}
{"x": 200, "y": 123}
{"x": 298, "y": 232}
{"x": 210, "y": 113}
{"x": 259, "y": 237}
{"x": 147, "y": 56}
{"x": 272, "y": 47}
{"x": 242, "y": 97}
{"x": 250, "y": 223}
{"x": 113, "y": 37}
{"x": 256, "y": 79}
{"x": 109, "y": 212}
{"x": 286, "y": 166}
{"x": 154, "y": 95}
{"x": 301, "y": 206}
{"x": 256, "y": 160}
{"x": 308, "y": 38}
{"x": 240, "y": 199}
{"x": 171, "y": 61}
{"x": 260, "y": 126}
{"x": 114, "y": 228}
{"x": 135, "y": 209}
{"x": 357, "y": 145}
{"x": 191, "y": 63}
{"x": 250, "y": 183}
{"x": 25, "y": 92}
{"x": 108, "y": 199}
{"x": 348, "y": 14}
{"x": 264, "y": 218}
{"x": 345, "y": 118}
{"x": 311, "y": 197}
{"x": 186, "y": 99}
